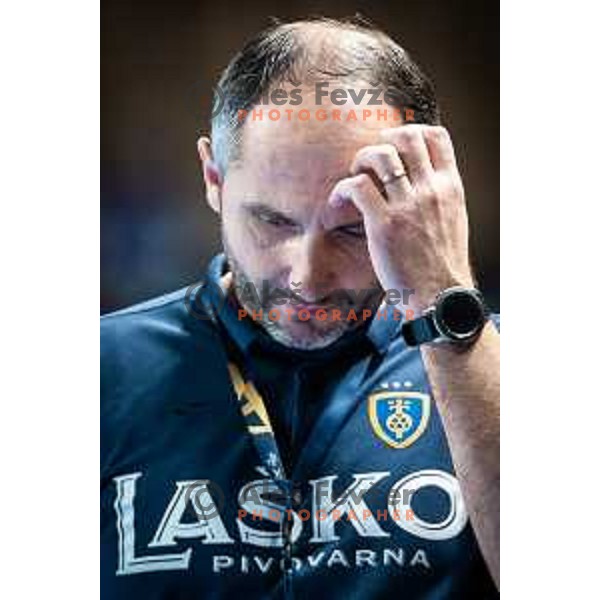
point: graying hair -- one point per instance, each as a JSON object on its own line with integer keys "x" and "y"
{"x": 305, "y": 51}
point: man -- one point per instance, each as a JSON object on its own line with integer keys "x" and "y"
{"x": 309, "y": 441}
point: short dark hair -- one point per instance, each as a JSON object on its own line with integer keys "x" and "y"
{"x": 293, "y": 52}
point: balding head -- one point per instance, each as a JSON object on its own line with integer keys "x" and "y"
{"x": 306, "y": 52}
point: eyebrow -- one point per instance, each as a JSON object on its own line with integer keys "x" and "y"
{"x": 256, "y": 208}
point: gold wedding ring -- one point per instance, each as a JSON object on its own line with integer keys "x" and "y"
{"x": 391, "y": 177}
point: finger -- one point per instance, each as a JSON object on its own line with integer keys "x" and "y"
{"x": 383, "y": 160}
{"x": 410, "y": 145}
{"x": 439, "y": 146}
{"x": 363, "y": 193}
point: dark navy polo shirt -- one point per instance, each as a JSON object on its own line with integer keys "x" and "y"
{"x": 358, "y": 433}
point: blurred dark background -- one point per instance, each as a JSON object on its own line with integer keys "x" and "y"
{"x": 160, "y": 61}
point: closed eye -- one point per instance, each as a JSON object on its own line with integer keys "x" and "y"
{"x": 276, "y": 220}
{"x": 271, "y": 217}
{"x": 356, "y": 230}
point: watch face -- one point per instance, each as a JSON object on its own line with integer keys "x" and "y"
{"x": 460, "y": 314}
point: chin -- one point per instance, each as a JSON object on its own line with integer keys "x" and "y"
{"x": 312, "y": 340}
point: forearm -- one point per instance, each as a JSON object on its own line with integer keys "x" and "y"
{"x": 466, "y": 387}
{"x": 418, "y": 235}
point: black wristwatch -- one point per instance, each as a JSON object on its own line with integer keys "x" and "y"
{"x": 457, "y": 316}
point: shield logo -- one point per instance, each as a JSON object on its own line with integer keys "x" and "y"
{"x": 399, "y": 418}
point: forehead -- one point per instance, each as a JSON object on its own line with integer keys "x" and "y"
{"x": 289, "y": 146}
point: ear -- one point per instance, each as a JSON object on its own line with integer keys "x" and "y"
{"x": 213, "y": 179}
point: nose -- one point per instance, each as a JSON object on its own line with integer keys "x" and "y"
{"x": 311, "y": 273}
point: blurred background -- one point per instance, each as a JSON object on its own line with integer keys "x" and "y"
{"x": 160, "y": 61}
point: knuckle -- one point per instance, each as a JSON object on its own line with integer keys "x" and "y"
{"x": 391, "y": 223}
{"x": 362, "y": 154}
{"x": 399, "y": 134}
{"x": 456, "y": 183}
{"x": 438, "y": 135}
{"x": 362, "y": 181}
{"x": 411, "y": 132}
{"x": 389, "y": 151}
{"x": 429, "y": 192}
{"x": 439, "y": 132}
{"x": 450, "y": 185}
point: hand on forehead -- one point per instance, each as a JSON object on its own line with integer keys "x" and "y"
{"x": 303, "y": 158}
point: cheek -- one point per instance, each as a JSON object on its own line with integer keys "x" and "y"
{"x": 362, "y": 275}
{"x": 245, "y": 234}
{"x": 255, "y": 255}
{"x": 352, "y": 264}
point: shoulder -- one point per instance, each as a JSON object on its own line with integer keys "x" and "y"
{"x": 151, "y": 342}
{"x": 163, "y": 321}
{"x": 145, "y": 314}
{"x": 155, "y": 356}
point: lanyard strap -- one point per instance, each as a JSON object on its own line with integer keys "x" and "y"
{"x": 251, "y": 403}
{"x": 258, "y": 424}
{"x": 260, "y": 430}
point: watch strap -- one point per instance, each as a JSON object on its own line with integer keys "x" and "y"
{"x": 420, "y": 330}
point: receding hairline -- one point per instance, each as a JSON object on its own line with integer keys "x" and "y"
{"x": 306, "y": 50}
{"x": 309, "y": 31}
{"x": 322, "y": 40}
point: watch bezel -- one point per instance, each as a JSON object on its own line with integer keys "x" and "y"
{"x": 443, "y": 329}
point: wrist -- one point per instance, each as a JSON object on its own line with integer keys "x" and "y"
{"x": 426, "y": 296}
{"x": 457, "y": 315}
